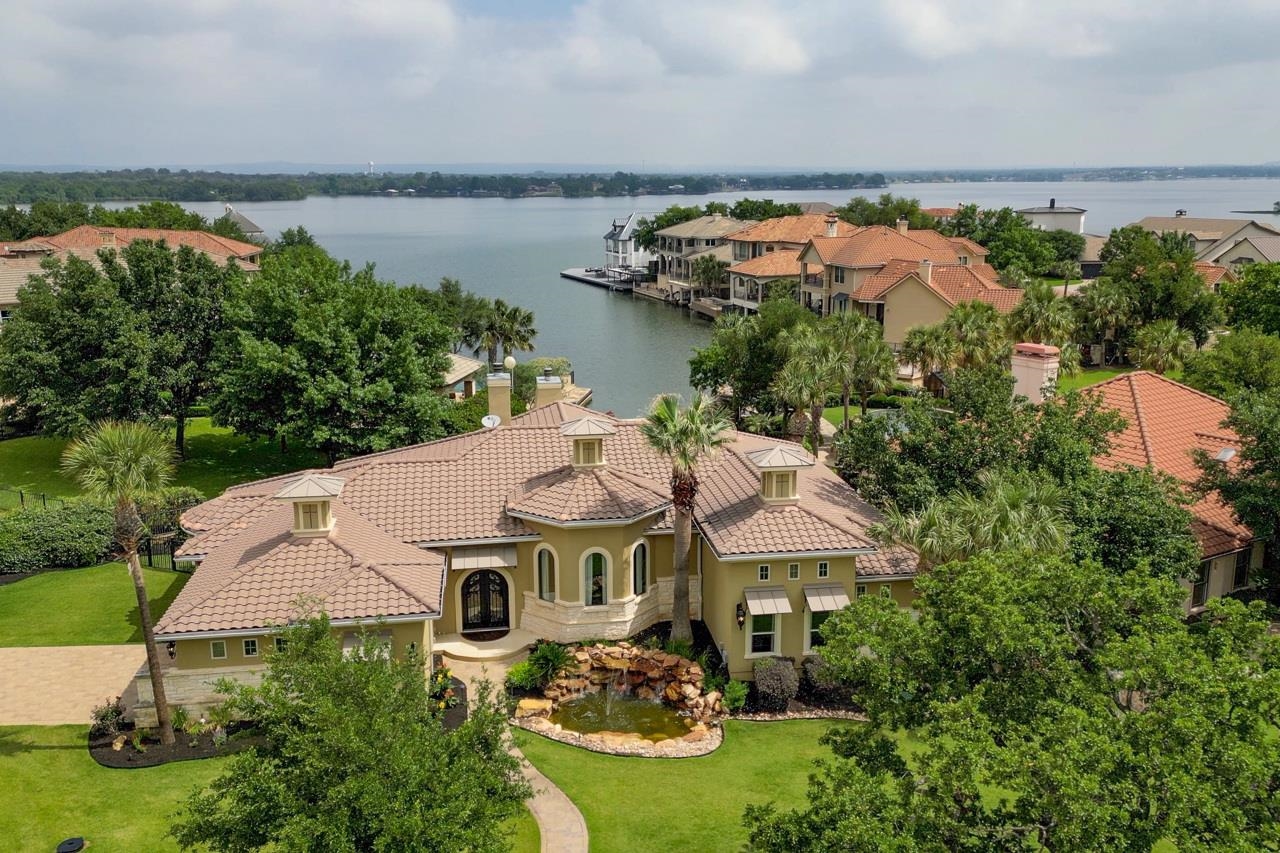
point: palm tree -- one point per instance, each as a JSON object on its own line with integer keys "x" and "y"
{"x": 1067, "y": 270}
{"x": 1106, "y": 307}
{"x": 930, "y": 348}
{"x": 979, "y": 332}
{"x": 709, "y": 272}
{"x": 872, "y": 369}
{"x": 1163, "y": 346}
{"x": 1043, "y": 317}
{"x": 809, "y": 377}
{"x": 846, "y": 333}
{"x": 120, "y": 463}
{"x": 485, "y": 334}
{"x": 1008, "y": 513}
{"x": 687, "y": 437}
{"x": 515, "y": 327}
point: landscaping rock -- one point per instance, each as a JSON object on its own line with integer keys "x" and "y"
{"x": 534, "y": 707}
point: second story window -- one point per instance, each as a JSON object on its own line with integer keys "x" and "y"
{"x": 762, "y": 573}
{"x": 839, "y": 275}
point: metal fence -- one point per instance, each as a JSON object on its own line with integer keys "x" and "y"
{"x": 20, "y": 498}
{"x": 157, "y": 553}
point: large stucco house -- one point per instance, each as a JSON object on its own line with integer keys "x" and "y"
{"x": 1218, "y": 241}
{"x": 1165, "y": 423}
{"x": 769, "y": 251}
{"x": 680, "y": 246}
{"x": 554, "y": 524}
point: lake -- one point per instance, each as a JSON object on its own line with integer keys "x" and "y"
{"x": 629, "y": 349}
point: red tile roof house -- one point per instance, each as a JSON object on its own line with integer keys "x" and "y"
{"x": 1165, "y": 422}
{"x": 86, "y": 240}
{"x": 551, "y": 525}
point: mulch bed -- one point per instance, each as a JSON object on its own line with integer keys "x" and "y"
{"x": 798, "y": 710}
{"x": 240, "y": 736}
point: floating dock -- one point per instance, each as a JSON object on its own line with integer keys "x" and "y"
{"x": 599, "y": 278}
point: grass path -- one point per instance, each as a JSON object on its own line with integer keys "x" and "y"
{"x": 215, "y": 460}
{"x": 81, "y": 607}
{"x": 643, "y": 804}
{"x": 54, "y": 790}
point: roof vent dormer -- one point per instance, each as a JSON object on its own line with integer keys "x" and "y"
{"x": 588, "y": 434}
{"x": 312, "y": 498}
{"x": 779, "y": 468}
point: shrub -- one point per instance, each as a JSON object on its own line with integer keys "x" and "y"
{"x": 776, "y": 683}
{"x": 735, "y": 695}
{"x": 180, "y": 718}
{"x": 77, "y": 533}
{"x": 548, "y": 661}
{"x": 522, "y": 676}
{"x": 160, "y": 514}
{"x": 107, "y": 717}
{"x": 683, "y": 648}
{"x": 818, "y": 682}
{"x": 714, "y": 681}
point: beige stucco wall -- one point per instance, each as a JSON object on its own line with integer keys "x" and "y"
{"x": 1222, "y": 574}
{"x": 198, "y": 654}
{"x": 910, "y": 304}
{"x": 1238, "y": 251}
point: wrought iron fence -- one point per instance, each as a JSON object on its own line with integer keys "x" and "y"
{"x": 21, "y": 498}
{"x": 156, "y": 552}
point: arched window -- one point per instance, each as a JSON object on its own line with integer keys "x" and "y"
{"x": 640, "y": 569}
{"x": 595, "y": 586}
{"x": 546, "y": 574}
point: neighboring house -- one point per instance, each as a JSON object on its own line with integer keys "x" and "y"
{"x": 14, "y": 272}
{"x": 251, "y": 229}
{"x": 1214, "y": 274}
{"x": 1166, "y": 421}
{"x": 816, "y": 207}
{"x": 553, "y": 525}
{"x": 1054, "y": 218}
{"x": 86, "y": 240}
{"x": 460, "y": 378}
{"x": 620, "y": 247}
{"x": 770, "y": 251}
{"x": 943, "y": 215}
{"x": 680, "y": 246}
{"x": 899, "y": 277}
{"x": 1212, "y": 238}
{"x": 1242, "y": 251}
{"x": 1091, "y": 256}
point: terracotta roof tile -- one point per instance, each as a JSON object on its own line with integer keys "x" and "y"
{"x": 1213, "y": 274}
{"x": 597, "y": 494}
{"x": 1165, "y": 422}
{"x": 779, "y": 264}
{"x": 955, "y": 283}
{"x": 790, "y": 229}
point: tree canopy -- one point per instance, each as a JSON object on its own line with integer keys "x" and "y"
{"x": 1245, "y": 359}
{"x": 886, "y": 210}
{"x": 355, "y": 757}
{"x": 46, "y": 218}
{"x": 1254, "y": 300}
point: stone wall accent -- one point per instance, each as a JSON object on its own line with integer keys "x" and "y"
{"x": 192, "y": 690}
{"x": 701, "y": 740}
{"x": 570, "y": 622}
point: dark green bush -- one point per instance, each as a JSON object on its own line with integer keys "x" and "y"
{"x": 548, "y": 661}
{"x": 107, "y": 717}
{"x": 77, "y": 533}
{"x": 161, "y": 513}
{"x": 819, "y": 684}
{"x": 522, "y": 676}
{"x": 776, "y": 683}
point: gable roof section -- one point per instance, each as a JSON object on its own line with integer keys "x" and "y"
{"x": 876, "y": 245}
{"x": 568, "y": 496}
{"x": 953, "y": 283}
{"x": 780, "y": 264}
{"x": 707, "y": 227}
{"x": 1199, "y": 227}
{"x": 1166, "y": 421}
{"x": 790, "y": 229}
{"x": 1214, "y": 274}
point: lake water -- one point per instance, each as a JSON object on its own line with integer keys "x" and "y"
{"x": 629, "y": 349}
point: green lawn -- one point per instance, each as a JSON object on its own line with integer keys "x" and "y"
{"x": 55, "y": 791}
{"x": 215, "y": 460}
{"x": 81, "y": 607}
{"x": 627, "y": 802}
{"x": 1089, "y": 376}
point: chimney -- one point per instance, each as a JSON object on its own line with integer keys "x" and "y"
{"x": 902, "y": 225}
{"x": 832, "y": 221}
{"x": 1179, "y": 213}
{"x": 550, "y": 389}
{"x": 926, "y": 271}
{"x": 1035, "y": 370}
{"x": 1053, "y": 202}
{"x": 499, "y": 383}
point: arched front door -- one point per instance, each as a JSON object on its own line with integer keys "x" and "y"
{"x": 485, "y": 604}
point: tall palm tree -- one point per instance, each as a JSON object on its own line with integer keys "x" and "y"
{"x": 1043, "y": 317}
{"x": 120, "y": 463}
{"x": 515, "y": 327}
{"x": 485, "y": 333}
{"x": 1008, "y": 513}
{"x": 687, "y": 437}
{"x": 1067, "y": 271}
{"x": 979, "y": 332}
{"x": 846, "y": 333}
{"x": 1106, "y": 307}
{"x": 1163, "y": 346}
{"x": 872, "y": 369}
{"x": 930, "y": 348}
{"x": 709, "y": 272}
{"x": 809, "y": 377}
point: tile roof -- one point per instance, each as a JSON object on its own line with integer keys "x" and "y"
{"x": 461, "y": 367}
{"x": 954, "y": 283}
{"x": 1200, "y": 228}
{"x": 1165, "y": 422}
{"x": 779, "y": 264}
{"x": 14, "y": 273}
{"x": 1213, "y": 274}
{"x": 88, "y": 239}
{"x": 875, "y": 245}
{"x": 255, "y": 573}
{"x": 458, "y": 490}
{"x": 940, "y": 212}
{"x": 1268, "y": 247}
{"x": 790, "y": 229}
{"x": 711, "y": 226}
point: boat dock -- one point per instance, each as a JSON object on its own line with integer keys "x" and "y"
{"x": 611, "y": 279}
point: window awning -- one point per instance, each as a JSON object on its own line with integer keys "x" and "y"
{"x": 487, "y": 557}
{"x": 762, "y": 602}
{"x": 827, "y": 596}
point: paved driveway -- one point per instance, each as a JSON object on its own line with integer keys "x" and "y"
{"x": 50, "y": 685}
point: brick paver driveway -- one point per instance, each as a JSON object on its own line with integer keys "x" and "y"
{"x": 50, "y": 685}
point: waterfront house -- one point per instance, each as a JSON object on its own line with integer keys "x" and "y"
{"x": 621, "y": 249}
{"x": 1054, "y": 218}
{"x": 1240, "y": 251}
{"x": 769, "y": 251}
{"x": 247, "y": 226}
{"x": 1213, "y": 274}
{"x": 680, "y": 246}
{"x": 86, "y": 240}
{"x": 15, "y": 269}
{"x": 460, "y": 378}
{"x": 899, "y": 277}
{"x": 1165, "y": 422}
{"x": 554, "y": 524}
{"x": 1212, "y": 239}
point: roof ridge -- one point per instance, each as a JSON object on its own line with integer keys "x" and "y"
{"x": 1142, "y": 421}
{"x": 171, "y": 615}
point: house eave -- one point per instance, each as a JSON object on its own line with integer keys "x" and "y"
{"x": 602, "y": 522}
{"x": 233, "y": 633}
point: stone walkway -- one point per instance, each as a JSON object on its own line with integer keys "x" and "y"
{"x": 559, "y": 822}
{"x": 52, "y": 685}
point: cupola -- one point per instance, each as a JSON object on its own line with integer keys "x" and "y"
{"x": 779, "y": 468}
{"x": 312, "y": 498}
{"x": 588, "y": 434}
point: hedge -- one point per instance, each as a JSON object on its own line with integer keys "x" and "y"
{"x": 78, "y": 533}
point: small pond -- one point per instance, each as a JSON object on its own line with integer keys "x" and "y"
{"x": 606, "y": 711}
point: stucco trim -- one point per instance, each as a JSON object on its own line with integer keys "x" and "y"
{"x": 268, "y": 629}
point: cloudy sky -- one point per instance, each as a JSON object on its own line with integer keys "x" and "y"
{"x": 850, "y": 84}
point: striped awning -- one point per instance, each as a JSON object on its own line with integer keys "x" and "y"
{"x": 762, "y": 602}
{"x": 826, "y": 596}
{"x": 487, "y": 557}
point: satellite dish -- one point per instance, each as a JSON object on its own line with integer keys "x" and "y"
{"x": 490, "y": 421}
